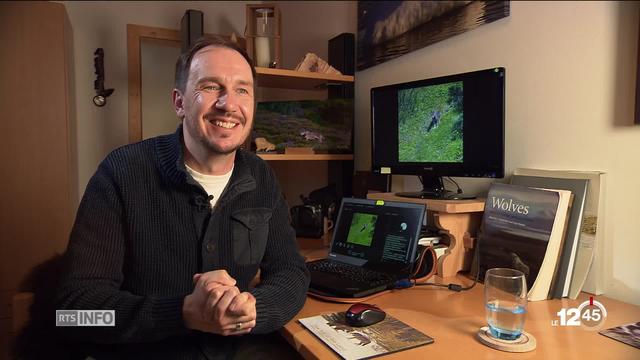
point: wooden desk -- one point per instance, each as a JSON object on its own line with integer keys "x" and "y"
{"x": 312, "y": 249}
{"x": 453, "y": 319}
{"x": 458, "y": 219}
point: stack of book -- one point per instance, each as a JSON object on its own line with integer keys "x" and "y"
{"x": 544, "y": 224}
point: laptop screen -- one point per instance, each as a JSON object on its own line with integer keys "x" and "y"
{"x": 377, "y": 234}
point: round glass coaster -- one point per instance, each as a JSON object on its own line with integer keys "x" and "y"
{"x": 526, "y": 342}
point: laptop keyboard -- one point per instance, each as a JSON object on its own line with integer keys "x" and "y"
{"x": 351, "y": 272}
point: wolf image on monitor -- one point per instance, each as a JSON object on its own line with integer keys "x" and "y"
{"x": 450, "y": 125}
{"x": 430, "y": 120}
{"x": 362, "y": 228}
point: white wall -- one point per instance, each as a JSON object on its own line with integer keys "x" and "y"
{"x": 570, "y": 91}
{"x": 157, "y": 74}
{"x": 307, "y": 26}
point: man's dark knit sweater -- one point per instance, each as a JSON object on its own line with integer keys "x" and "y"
{"x": 145, "y": 227}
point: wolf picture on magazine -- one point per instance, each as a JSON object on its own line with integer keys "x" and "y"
{"x": 628, "y": 334}
{"x": 389, "y": 335}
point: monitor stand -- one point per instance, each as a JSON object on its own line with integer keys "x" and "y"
{"x": 433, "y": 188}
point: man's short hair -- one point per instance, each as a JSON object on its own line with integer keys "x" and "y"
{"x": 184, "y": 60}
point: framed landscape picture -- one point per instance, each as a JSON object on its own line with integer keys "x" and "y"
{"x": 326, "y": 126}
{"x": 388, "y": 29}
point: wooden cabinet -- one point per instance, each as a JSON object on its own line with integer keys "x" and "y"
{"x": 298, "y": 175}
{"x": 290, "y": 79}
{"x": 39, "y": 184}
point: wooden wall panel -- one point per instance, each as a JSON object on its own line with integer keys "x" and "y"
{"x": 37, "y": 152}
{"x": 38, "y": 198}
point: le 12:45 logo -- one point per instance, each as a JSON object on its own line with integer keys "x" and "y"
{"x": 590, "y": 314}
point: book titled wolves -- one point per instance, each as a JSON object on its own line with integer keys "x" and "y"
{"x": 523, "y": 229}
{"x": 389, "y": 335}
{"x": 588, "y": 270}
{"x": 568, "y": 253}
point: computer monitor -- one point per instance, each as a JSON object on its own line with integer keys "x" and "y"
{"x": 445, "y": 126}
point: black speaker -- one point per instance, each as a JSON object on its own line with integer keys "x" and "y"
{"x": 191, "y": 28}
{"x": 342, "y": 52}
{"x": 365, "y": 181}
{"x": 342, "y": 57}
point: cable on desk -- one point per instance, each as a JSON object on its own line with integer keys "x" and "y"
{"x": 459, "y": 191}
{"x": 457, "y": 287}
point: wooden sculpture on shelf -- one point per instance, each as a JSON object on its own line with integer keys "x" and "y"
{"x": 262, "y": 144}
{"x": 313, "y": 63}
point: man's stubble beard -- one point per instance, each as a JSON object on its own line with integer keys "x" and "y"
{"x": 214, "y": 148}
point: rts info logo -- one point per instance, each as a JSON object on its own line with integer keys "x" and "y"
{"x": 590, "y": 314}
{"x": 85, "y": 318}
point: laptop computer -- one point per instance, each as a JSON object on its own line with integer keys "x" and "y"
{"x": 374, "y": 245}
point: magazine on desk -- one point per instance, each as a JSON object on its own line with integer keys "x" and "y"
{"x": 389, "y": 335}
{"x": 628, "y": 334}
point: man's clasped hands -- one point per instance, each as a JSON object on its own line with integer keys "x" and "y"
{"x": 217, "y": 306}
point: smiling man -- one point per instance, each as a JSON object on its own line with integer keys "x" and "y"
{"x": 171, "y": 231}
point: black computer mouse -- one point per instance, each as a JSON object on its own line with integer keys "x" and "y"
{"x": 364, "y": 315}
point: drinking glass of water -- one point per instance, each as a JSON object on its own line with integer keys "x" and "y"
{"x": 505, "y": 299}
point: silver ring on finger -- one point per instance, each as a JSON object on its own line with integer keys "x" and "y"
{"x": 238, "y": 326}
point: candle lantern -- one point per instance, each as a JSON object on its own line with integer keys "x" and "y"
{"x": 263, "y": 34}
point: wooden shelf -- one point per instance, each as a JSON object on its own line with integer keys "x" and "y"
{"x": 447, "y": 206}
{"x": 305, "y": 157}
{"x": 291, "y": 79}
